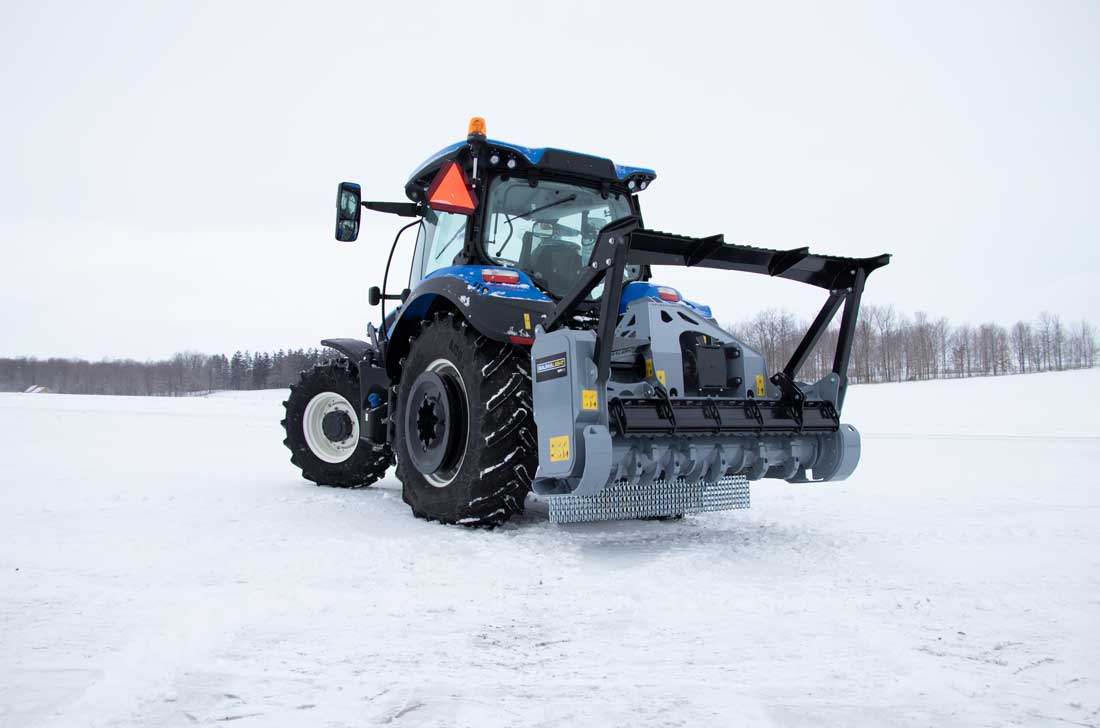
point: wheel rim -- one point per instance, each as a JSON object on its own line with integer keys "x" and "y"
{"x": 437, "y": 422}
{"x": 324, "y": 412}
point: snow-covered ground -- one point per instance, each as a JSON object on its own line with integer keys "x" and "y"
{"x": 161, "y": 563}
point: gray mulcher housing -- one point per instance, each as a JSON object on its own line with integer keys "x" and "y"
{"x": 661, "y": 395}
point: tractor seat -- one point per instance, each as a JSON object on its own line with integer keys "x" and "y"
{"x": 558, "y": 264}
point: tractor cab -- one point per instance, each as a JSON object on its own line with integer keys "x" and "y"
{"x": 534, "y": 210}
{"x": 548, "y": 231}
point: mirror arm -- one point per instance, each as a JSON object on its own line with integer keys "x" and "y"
{"x": 404, "y": 209}
{"x": 375, "y": 296}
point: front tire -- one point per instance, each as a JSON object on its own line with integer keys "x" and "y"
{"x": 466, "y": 447}
{"x": 323, "y": 425}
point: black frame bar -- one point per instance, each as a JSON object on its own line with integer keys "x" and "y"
{"x": 847, "y": 334}
{"x": 813, "y": 334}
{"x": 624, "y": 242}
{"x": 608, "y": 261}
{"x": 651, "y": 247}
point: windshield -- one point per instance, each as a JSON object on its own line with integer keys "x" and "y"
{"x": 549, "y": 230}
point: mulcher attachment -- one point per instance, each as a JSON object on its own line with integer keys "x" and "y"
{"x": 620, "y": 500}
{"x": 658, "y": 411}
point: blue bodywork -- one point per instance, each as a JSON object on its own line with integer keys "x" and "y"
{"x": 525, "y": 290}
{"x": 532, "y": 154}
{"x": 644, "y": 289}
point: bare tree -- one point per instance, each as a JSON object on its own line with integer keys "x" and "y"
{"x": 1021, "y": 345}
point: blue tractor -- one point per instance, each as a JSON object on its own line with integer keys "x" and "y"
{"x": 532, "y": 352}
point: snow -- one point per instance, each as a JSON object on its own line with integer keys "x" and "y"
{"x": 162, "y": 564}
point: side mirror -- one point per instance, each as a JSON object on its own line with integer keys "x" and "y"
{"x": 374, "y": 295}
{"x": 348, "y": 208}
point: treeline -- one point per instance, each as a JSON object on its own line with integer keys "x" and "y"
{"x": 183, "y": 374}
{"x": 893, "y": 347}
{"x": 888, "y": 347}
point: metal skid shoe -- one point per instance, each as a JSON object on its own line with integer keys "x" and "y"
{"x": 620, "y": 500}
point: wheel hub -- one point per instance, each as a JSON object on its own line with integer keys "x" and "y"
{"x": 436, "y": 421}
{"x": 430, "y": 422}
{"x": 337, "y": 426}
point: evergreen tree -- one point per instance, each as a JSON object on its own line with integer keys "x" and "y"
{"x": 237, "y": 370}
{"x": 261, "y": 370}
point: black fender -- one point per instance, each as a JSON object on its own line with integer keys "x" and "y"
{"x": 354, "y": 349}
{"x": 373, "y": 380}
{"x": 508, "y": 320}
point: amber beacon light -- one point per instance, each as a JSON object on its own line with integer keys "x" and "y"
{"x": 477, "y": 126}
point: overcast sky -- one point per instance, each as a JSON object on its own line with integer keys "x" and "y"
{"x": 168, "y": 170}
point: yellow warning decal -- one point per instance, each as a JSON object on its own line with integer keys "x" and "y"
{"x": 559, "y": 448}
{"x": 589, "y": 399}
{"x": 661, "y": 376}
{"x": 648, "y": 368}
{"x": 526, "y": 320}
{"x": 759, "y": 385}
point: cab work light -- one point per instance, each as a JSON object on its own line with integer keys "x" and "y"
{"x": 668, "y": 294}
{"x": 499, "y": 275}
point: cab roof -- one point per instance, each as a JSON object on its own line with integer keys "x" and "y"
{"x": 522, "y": 159}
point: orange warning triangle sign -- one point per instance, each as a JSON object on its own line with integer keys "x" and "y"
{"x": 450, "y": 191}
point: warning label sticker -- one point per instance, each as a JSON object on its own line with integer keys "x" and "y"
{"x": 550, "y": 367}
{"x": 589, "y": 399}
{"x": 559, "y": 449}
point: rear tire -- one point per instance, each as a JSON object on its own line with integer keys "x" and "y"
{"x": 323, "y": 424}
{"x": 482, "y": 472}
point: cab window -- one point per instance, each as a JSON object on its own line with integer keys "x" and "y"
{"x": 440, "y": 239}
{"x": 549, "y": 230}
